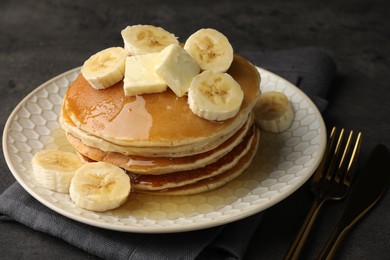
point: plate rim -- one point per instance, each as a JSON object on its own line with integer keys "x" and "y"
{"x": 160, "y": 229}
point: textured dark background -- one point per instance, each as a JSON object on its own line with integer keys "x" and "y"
{"x": 41, "y": 39}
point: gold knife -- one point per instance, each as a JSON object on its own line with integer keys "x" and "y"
{"x": 369, "y": 187}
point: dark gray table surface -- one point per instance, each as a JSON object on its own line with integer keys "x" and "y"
{"x": 41, "y": 39}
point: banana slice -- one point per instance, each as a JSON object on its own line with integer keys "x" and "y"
{"x": 211, "y": 49}
{"x": 142, "y": 39}
{"x": 274, "y": 112}
{"x": 99, "y": 186}
{"x": 215, "y": 95}
{"x": 105, "y": 68}
{"x": 54, "y": 169}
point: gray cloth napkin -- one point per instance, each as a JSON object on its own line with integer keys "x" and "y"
{"x": 310, "y": 69}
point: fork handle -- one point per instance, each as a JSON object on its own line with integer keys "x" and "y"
{"x": 334, "y": 242}
{"x": 296, "y": 247}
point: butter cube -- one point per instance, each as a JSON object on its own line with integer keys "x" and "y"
{"x": 177, "y": 68}
{"x": 140, "y": 77}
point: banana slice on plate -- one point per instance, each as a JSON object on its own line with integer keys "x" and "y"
{"x": 105, "y": 68}
{"x": 142, "y": 39}
{"x": 215, "y": 95}
{"x": 54, "y": 169}
{"x": 274, "y": 112}
{"x": 99, "y": 186}
{"x": 211, "y": 49}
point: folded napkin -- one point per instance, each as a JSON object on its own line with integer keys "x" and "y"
{"x": 310, "y": 69}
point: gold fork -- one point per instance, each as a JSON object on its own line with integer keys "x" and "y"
{"x": 331, "y": 181}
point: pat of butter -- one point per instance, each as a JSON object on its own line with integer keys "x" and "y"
{"x": 140, "y": 77}
{"x": 177, "y": 69}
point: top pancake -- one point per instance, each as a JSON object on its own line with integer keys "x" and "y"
{"x": 159, "y": 119}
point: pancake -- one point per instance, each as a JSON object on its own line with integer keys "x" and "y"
{"x": 214, "y": 182}
{"x": 181, "y": 178}
{"x": 200, "y": 180}
{"x": 160, "y": 165}
{"x": 158, "y": 119}
{"x": 174, "y": 151}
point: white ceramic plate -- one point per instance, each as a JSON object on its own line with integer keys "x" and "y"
{"x": 284, "y": 162}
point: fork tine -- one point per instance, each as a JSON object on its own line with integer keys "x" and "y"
{"x": 328, "y": 151}
{"x": 352, "y": 160}
{"x": 330, "y": 171}
{"x": 340, "y": 173}
{"x": 355, "y": 152}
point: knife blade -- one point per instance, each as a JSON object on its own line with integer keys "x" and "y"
{"x": 369, "y": 187}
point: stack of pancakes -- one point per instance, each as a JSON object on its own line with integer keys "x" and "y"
{"x": 165, "y": 148}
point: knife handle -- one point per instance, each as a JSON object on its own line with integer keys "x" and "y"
{"x": 333, "y": 243}
{"x": 296, "y": 247}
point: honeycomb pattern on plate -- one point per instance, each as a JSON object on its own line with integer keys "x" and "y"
{"x": 283, "y": 163}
